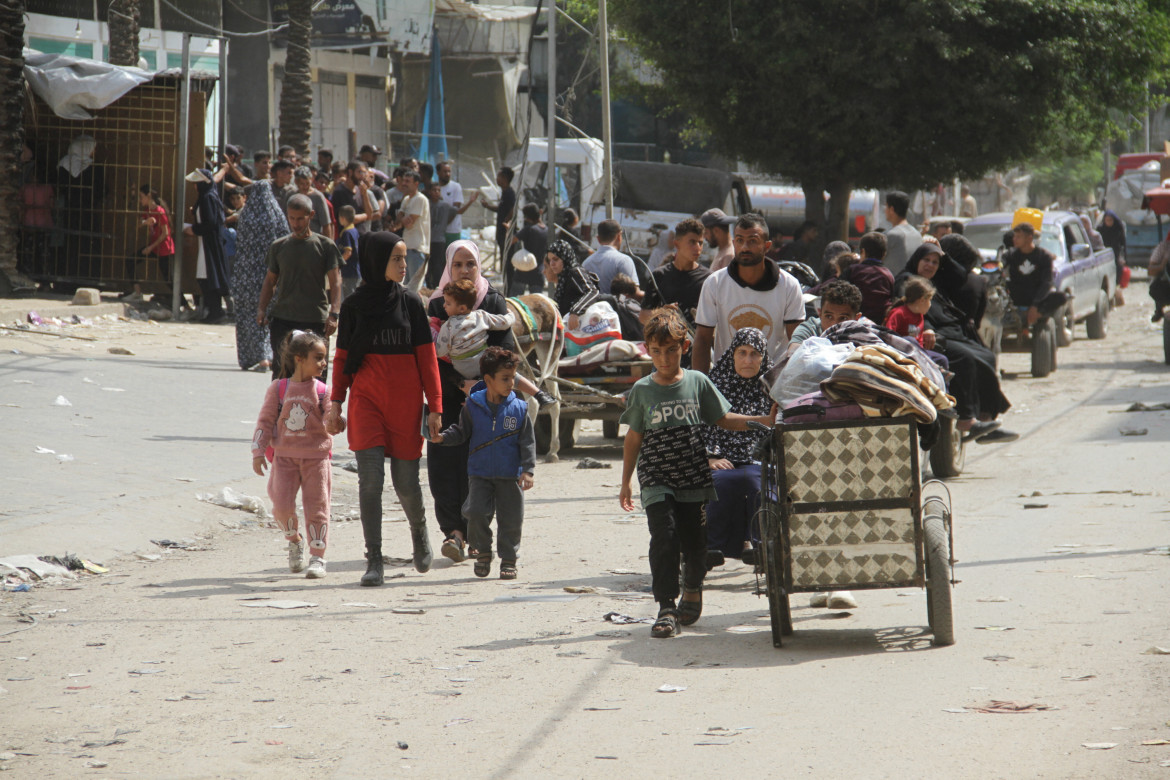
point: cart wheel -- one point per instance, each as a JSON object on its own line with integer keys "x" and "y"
{"x": 609, "y": 428}
{"x": 777, "y": 598}
{"x": 1097, "y": 323}
{"x": 938, "y": 578}
{"x": 949, "y": 452}
{"x": 1043, "y": 350}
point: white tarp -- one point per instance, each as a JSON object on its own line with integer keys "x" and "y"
{"x": 70, "y": 85}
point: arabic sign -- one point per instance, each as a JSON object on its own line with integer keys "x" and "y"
{"x": 403, "y": 25}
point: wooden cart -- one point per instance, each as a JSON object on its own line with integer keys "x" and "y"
{"x": 843, "y": 508}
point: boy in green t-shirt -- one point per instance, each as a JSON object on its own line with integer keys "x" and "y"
{"x": 665, "y": 412}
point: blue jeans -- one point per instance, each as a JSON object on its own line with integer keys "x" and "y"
{"x": 414, "y": 261}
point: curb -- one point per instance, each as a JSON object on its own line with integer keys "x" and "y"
{"x": 17, "y": 310}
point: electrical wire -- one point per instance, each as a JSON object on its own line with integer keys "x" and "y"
{"x": 230, "y": 33}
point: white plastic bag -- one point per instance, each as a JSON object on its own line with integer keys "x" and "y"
{"x": 813, "y": 361}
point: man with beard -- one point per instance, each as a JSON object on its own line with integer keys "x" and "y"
{"x": 282, "y": 186}
{"x": 302, "y": 262}
{"x": 716, "y": 227}
{"x": 751, "y": 292}
{"x": 354, "y": 191}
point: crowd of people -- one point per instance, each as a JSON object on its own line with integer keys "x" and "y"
{"x": 712, "y": 334}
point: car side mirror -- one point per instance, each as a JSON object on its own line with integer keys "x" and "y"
{"x": 1081, "y": 251}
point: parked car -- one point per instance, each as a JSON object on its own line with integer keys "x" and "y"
{"x": 1088, "y": 275}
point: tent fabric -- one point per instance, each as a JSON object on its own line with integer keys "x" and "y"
{"x": 681, "y": 188}
{"x": 71, "y": 85}
{"x": 433, "y": 146}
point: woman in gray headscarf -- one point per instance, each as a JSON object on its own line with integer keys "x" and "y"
{"x": 260, "y": 223}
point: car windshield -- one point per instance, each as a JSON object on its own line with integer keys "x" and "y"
{"x": 990, "y": 236}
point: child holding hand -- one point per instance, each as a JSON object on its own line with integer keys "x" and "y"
{"x": 499, "y": 469}
{"x": 906, "y": 317}
{"x": 292, "y": 422}
{"x": 666, "y": 412}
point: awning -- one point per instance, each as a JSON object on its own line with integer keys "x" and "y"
{"x": 70, "y": 85}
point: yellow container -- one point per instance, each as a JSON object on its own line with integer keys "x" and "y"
{"x": 1034, "y": 217}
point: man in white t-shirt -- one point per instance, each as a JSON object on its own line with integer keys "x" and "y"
{"x": 452, "y": 192}
{"x": 414, "y": 223}
{"x": 751, "y": 292}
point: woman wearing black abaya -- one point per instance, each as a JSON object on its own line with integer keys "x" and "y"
{"x": 207, "y": 223}
{"x": 975, "y": 385}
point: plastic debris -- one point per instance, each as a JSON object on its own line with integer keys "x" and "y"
{"x": 1142, "y": 407}
{"x": 358, "y": 604}
{"x": 593, "y": 463}
{"x": 232, "y": 500}
{"x": 1079, "y": 677}
{"x": 119, "y": 351}
{"x": 408, "y": 611}
{"x": 1155, "y": 650}
{"x": 280, "y": 604}
{"x": 44, "y": 451}
{"x": 39, "y": 568}
{"x": 997, "y": 707}
{"x": 996, "y": 628}
{"x": 350, "y": 465}
{"x": 668, "y": 688}
{"x": 171, "y": 544}
{"x": 621, "y": 620}
{"x": 62, "y": 401}
{"x": 1099, "y": 745}
{"x": 1156, "y": 741}
{"x": 402, "y": 745}
{"x": 1134, "y": 431}
{"x": 23, "y": 587}
{"x": 998, "y": 658}
{"x": 64, "y": 458}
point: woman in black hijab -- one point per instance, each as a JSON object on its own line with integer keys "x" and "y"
{"x": 386, "y": 362}
{"x": 208, "y": 223}
{"x": 975, "y": 385}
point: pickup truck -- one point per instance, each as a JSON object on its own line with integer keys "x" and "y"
{"x": 1090, "y": 275}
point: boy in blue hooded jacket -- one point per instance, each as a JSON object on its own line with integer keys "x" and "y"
{"x": 500, "y": 464}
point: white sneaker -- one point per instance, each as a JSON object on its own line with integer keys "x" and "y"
{"x": 316, "y": 568}
{"x": 296, "y": 556}
{"x": 842, "y": 599}
{"x": 818, "y": 600}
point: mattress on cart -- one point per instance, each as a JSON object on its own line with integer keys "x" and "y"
{"x": 850, "y": 489}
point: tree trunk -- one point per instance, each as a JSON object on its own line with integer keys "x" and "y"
{"x": 814, "y": 211}
{"x": 11, "y": 144}
{"x": 124, "y": 18}
{"x": 837, "y": 225}
{"x": 296, "y": 95}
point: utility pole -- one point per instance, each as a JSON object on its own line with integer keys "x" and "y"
{"x": 550, "y": 214}
{"x": 606, "y": 133}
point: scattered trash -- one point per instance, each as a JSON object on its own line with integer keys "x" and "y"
{"x": 670, "y": 688}
{"x": 402, "y": 745}
{"x": 40, "y": 569}
{"x": 593, "y": 463}
{"x": 998, "y": 658}
{"x": 996, "y": 628}
{"x": 579, "y": 589}
{"x": 538, "y": 597}
{"x": 621, "y": 620}
{"x": 63, "y": 458}
{"x": 171, "y": 544}
{"x": 358, "y": 604}
{"x": 34, "y": 318}
{"x": 623, "y": 571}
{"x": 408, "y": 611}
{"x": 62, "y": 401}
{"x": 1099, "y": 745}
{"x": 996, "y": 707}
{"x": 280, "y": 604}
{"x": 273, "y": 742}
{"x": 1079, "y": 678}
{"x": 44, "y": 451}
{"x": 1134, "y": 431}
{"x": 113, "y": 389}
{"x": 1141, "y": 407}
{"x": 456, "y": 722}
{"x": 1155, "y": 650}
{"x": 232, "y": 500}
{"x": 994, "y": 599}
{"x": 23, "y": 587}
{"x": 612, "y": 634}
{"x": 1156, "y": 741}
{"x": 957, "y": 710}
{"x": 1035, "y": 506}
{"x": 1159, "y": 551}
{"x": 119, "y": 351}
{"x": 97, "y": 764}
{"x": 600, "y": 709}
{"x": 146, "y": 671}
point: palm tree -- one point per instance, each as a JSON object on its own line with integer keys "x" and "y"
{"x": 296, "y": 96}
{"x": 123, "y": 19}
{"x": 11, "y": 143}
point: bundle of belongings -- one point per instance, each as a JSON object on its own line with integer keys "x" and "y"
{"x": 858, "y": 369}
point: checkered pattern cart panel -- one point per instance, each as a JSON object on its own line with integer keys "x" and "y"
{"x": 851, "y": 549}
{"x": 856, "y": 463}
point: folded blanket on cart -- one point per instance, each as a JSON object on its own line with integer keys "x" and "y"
{"x": 886, "y": 383}
{"x": 616, "y": 351}
{"x": 866, "y": 333}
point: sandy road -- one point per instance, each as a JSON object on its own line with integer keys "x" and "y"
{"x": 177, "y": 667}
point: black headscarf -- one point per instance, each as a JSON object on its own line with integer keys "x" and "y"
{"x": 961, "y": 249}
{"x": 1113, "y": 235}
{"x": 950, "y": 277}
{"x": 374, "y": 297}
{"x": 210, "y": 206}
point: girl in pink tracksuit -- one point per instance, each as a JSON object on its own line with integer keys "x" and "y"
{"x": 292, "y": 424}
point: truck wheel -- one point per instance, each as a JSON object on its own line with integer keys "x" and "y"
{"x": 1067, "y": 332}
{"x": 1043, "y": 350}
{"x": 949, "y": 452}
{"x": 609, "y": 428}
{"x": 938, "y": 579}
{"x": 1098, "y": 322}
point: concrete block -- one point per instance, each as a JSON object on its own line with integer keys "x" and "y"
{"x": 87, "y": 296}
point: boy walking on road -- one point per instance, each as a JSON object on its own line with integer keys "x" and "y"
{"x": 666, "y": 412}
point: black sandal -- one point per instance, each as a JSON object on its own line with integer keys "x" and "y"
{"x": 666, "y": 625}
{"x": 689, "y": 611}
{"x": 483, "y": 566}
{"x": 508, "y": 570}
